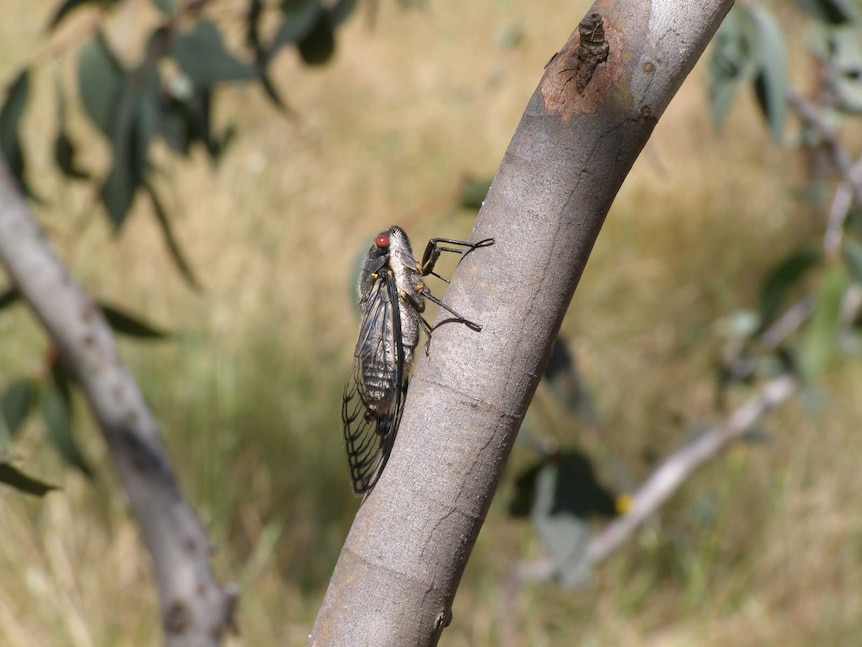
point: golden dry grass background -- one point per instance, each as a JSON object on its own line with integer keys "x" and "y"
{"x": 763, "y": 547}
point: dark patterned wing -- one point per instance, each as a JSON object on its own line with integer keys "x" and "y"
{"x": 374, "y": 394}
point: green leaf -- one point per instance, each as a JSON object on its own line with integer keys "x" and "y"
{"x": 473, "y": 192}
{"x": 731, "y": 62}
{"x": 785, "y": 277}
{"x": 841, "y": 50}
{"x": 171, "y": 241}
{"x": 299, "y": 19}
{"x": 318, "y": 46}
{"x": 852, "y": 253}
{"x": 565, "y": 383}
{"x": 834, "y": 12}
{"x": 340, "y": 11}
{"x": 64, "y": 148}
{"x": 16, "y": 402}
{"x": 101, "y": 81}
{"x": 58, "y": 422}
{"x": 818, "y": 344}
{"x": 10, "y": 117}
{"x": 13, "y": 477}
{"x": 124, "y": 323}
{"x": 770, "y": 83}
{"x": 203, "y": 57}
{"x": 9, "y": 297}
{"x": 567, "y": 495}
{"x": 565, "y": 536}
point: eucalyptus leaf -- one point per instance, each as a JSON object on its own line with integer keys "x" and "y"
{"x": 785, "y": 277}
{"x": 852, "y": 253}
{"x": 201, "y": 54}
{"x": 126, "y": 324}
{"x": 731, "y": 62}
{"x": 13, "y": 477}
{"x": 58, "y": 422}
{"x": 298, "y": 21}
{"x": 834, "y": 12}
{"x": 318, "y": 46}
{"x": 9, "y": 297}
{"x": 770, "y": 82}
{"x": 171, "y": 241}
{"x": 15, "y": 404}
{"x": 818, "y": 345}
{"x": 10, "y": 117}
{"x": 101, "y": 80}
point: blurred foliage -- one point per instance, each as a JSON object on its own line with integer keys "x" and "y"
{"x": 168, "y": 94}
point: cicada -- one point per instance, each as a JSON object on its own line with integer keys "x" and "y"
{"x": 392, "y": 297}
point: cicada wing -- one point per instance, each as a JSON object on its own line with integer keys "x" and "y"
{"x": 374, "y": 394}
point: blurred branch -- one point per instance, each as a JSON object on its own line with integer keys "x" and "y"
{"x": 196, "y": 609}
{"x": 677, "y": 467}
{"x": 850, "y": 188}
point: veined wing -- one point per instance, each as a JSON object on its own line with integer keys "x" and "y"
{"x": 374, "y": 394}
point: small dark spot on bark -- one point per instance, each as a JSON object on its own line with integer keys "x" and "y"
{"x": 190, "y": 544}
{"x": 649, "y": 68}
{"x": 202, "y": 589}
{"x": 646, "y": 111}
{"x": 177, "y": 618}
{"x": 142, "y": 456}
{"x": 89, "y": 340}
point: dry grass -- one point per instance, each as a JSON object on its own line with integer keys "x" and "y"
{"x": 761, "y": 548}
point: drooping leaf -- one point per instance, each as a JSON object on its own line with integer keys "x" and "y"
{"x": 64, "y": 148}
{"x": 732, "y": 62}
{"x": 834, "y": 12}
{"x": 201, "y": 54}
{"x": 15, "y": 404}
{"x": 58, "y": 422}
{"x": 524, "y": 493}
{"x": 770, "y": 82}
{"x": 171, "y": 241}
{"x": 13, "y": 477}
{"x": 118, "y": 189}
{"x": 9, "y": 297}
{"x": 785, "y": 277}
{"x": 565, "y": 383}
{"x": 10, "y": 117}
{"x": 567, "y": 495}
{"x": 318, "y": 45}
{"x": 101, "y": 80}
{"x": 138, "y": 122}
{"x": 299, "y": 19}
{"x": 126, "y": 324}
{"x": 818, "y": 344}
{"x": 852, "y": 253}
{"x": 340, "y": 11}
{"x": 473, "y": 192}
{"x": 565, "y": 536}
{"x": 841, "y": 51}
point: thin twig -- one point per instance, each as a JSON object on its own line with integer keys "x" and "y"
{"x": 677, "y": 467}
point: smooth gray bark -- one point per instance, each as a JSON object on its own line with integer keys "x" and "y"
{"x": 399, "y": 569}
{"x": 195, "y": 608}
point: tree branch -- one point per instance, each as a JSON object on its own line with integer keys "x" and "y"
{"x": 677, "y": 467}
{"x": 195, "y": 608}
{"x": 582, "y": 131}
